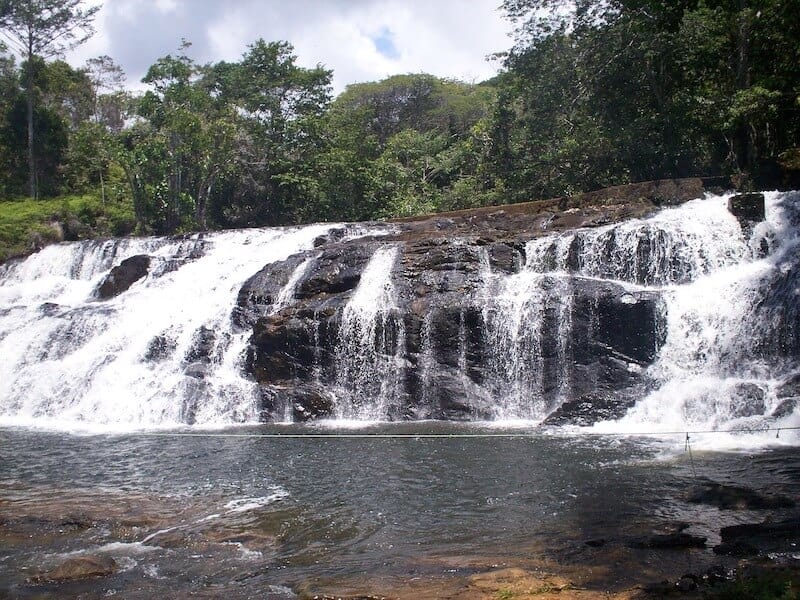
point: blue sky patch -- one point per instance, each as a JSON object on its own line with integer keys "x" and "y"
{"x": 384, "y": 43}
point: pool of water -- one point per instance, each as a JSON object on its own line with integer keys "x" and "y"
{"x": 277, "y": 511}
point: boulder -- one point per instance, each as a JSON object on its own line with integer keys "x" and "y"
{"x": 259, "y": 293}
{"x": 160, "y": 348}
{"x": 123, "y": 276}
{"x": 311, "y": 403}
{"x": 628, "y": 322}
{"x": 304, "y": 402}
{"x": 790, "y": 388}
{"x": 89, "y": 566}
{"x": 591, "y": 408}
{"x": 785, "y": 408}
{"x": 203, "y": 344}
{"x": 748, "y": 208}
{"x": 759, "y": 538}
{"x": 336, "y": 270}
{"x": 748, "y": 400}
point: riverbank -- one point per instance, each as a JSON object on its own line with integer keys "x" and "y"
{"x": 28, "y": 225}
{"x": 531, "y": 573}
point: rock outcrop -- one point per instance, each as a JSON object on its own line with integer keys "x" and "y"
{"x": 440, "y": 343}
{"x": 123, "y": 276}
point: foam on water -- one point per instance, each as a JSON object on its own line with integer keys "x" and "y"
{"x": 721, "y": 365}
{"x": 370, "y": 343}
{"x": 72, "y": 362}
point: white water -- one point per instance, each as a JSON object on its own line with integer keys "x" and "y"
{"x": 72, "y": 362}
{"x": 370, "y": 344}
{"x": 516, "y": 317}
{"x": 78, "y": 363}
{"x": 675, "y": 246}
{"x": 713, "y": 280}
{"x": 707, "y": 375}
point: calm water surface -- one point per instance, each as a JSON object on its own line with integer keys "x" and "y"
{"x": 266, "y": 517}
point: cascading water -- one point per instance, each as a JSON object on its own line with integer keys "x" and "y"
{"x": 519, "y": 312}
{"x": 163, "y": 353}
{"x": 505, "y": 343}
{"x": 731, "y": 332}
{"x": 716, "y": 368}
{"x": 370, "y": 342}
{"x": 675, "y": 246}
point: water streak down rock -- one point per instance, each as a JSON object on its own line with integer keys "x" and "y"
{"x": 472, "y": 327}
{"x": 647, "y": 307}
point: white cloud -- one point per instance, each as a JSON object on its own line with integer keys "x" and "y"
{"x": 448, "y": 38}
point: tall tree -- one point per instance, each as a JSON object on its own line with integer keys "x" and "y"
{"x": 43, "y": 29}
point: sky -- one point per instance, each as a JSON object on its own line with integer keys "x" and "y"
{"x": 361, "y": 40}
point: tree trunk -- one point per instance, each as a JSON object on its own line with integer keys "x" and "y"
{"x": 139, "y": 201}
{"x": 203, "y": 193}
{"x": 747, "y": 146}
{"x": 29, "y": 97}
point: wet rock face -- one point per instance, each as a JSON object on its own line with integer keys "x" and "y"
{"x": 78, "y": 568}
{"x": 455, "y": 336}
{"x": 750, "y": 539}
{"x": 441, "y": 333}
{"x": 736, "y": 498}
{"x": 123, "y": 276}
{"x": 748, "y": 208}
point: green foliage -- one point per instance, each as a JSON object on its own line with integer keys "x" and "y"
{"x": 27, "y": 224}
{"x": 36, "y": 30}
{"x": 593, "y": 94}
{"x": 629, "y": 90}
{"x": 407, "y": 145}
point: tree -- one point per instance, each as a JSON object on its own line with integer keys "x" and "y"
{"x": 620, "y": 90}
{"x": 280, "y": 107}
{"x": 408, "y": 144}
{"x": 43, "y": 29}
{"x": 110, "y": 99}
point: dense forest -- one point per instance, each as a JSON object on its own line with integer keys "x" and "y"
{"x": 591, "y": 94}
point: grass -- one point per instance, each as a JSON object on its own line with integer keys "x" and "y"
{"x": 26, "y": 225}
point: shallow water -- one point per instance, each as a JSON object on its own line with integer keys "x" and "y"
{"x": 274, "y": 516}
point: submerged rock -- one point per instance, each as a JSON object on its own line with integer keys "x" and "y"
{"x": 668, "y": 541}
{"x": 748, "y": 208}
{"x": 750, "y": 539}
{"x": 737, "y": 498}
{"x": 78, "y": 568}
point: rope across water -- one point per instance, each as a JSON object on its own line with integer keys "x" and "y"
{"x": 477, "y": 435}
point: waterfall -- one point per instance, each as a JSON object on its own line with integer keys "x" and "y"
{"x": 683, "y": 320}
{"x": 163, "y": 353}
{"x": 370, "y": 343}
{"x": 720, "y": 364}
{"x": 520, "y": 313}
{"x": 676, "y": 246}
{"x": 731, "y": 333}
{"x": 286, "y": 294}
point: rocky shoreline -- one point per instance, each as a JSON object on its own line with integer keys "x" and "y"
{"x": 624, "y": 567}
